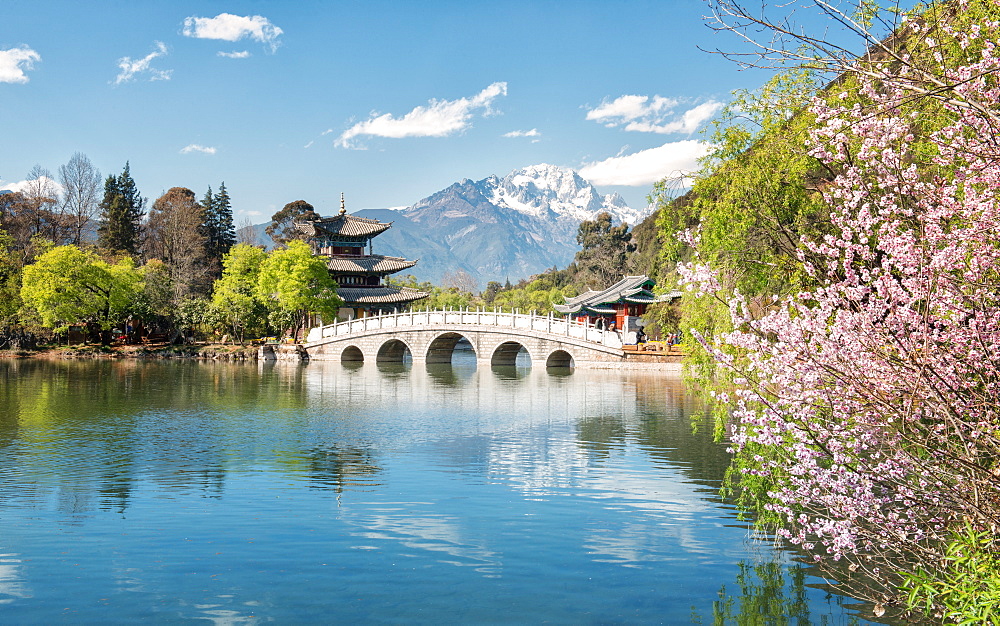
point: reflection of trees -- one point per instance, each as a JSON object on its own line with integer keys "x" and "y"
{"x": 599, "y": 434}
{"x": 342, "y": 468}
{"x": 772, "y": 593}
{"x": 667, "y": 422}
{"x": 88, "y": 429}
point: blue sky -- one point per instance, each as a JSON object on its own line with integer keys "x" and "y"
{"x": 387, "y": 102}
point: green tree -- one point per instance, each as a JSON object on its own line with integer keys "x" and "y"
{"x": 282, "y": 226}
{"x": 121, "y": 213}
{"x": 538, "y": 295}
{"x": 217, "y": 224}
{"x": 176, "y": 238}
{"x": 235, "y": 299}
{"x": 756, "y": 196}
{"x": 154, "y": 304}
{"x": 490, "y": 293}
{"x": 10, "y": 281}
{"x": 605, "y": 250}
{"x": 224, "y": 236}
{"x": 67, "y": 285}
{"x": 294, "y": 284}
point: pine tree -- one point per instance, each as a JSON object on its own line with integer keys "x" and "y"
{"x": 208, "y": 217}
{"x": 122, "y": 210}
{"x": 225, "y": 229}
{"x": 217, "y": 224}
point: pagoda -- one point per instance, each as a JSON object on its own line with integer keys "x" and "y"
{"x": 343, "y": 239}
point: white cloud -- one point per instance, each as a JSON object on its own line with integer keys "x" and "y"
{"x": 677, "y": 158}
{"x": 196, "y": 148}
{"x": 653, "y": 115}
{"x": 42, "y": 183}
{"x": 130, "y": 68}
{"x": 14, "y": 62}
{"x": 523, "y": 133}
{"x": 627, "y": 108}
{"x": 229, "y": 27}
{"x": 439, "y": 118}
{"x": 243, "y": 54}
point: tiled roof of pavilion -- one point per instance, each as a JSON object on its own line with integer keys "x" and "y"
{"x": 636, "y": 289}
{"x": 379, "y": 295}
{"x": 370, "y": 264}
{"x": 344, "y": 225}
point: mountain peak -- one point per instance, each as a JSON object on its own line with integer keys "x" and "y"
{"x": 503, "y": 227}
{"x": 550, "y": 191}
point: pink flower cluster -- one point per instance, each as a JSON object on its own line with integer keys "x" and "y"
{"x": 871, "y": 400}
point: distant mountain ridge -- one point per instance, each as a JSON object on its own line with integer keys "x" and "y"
{"x": 497, "y": 228}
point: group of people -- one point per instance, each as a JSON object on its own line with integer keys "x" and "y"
{"x": 601, "y": 324}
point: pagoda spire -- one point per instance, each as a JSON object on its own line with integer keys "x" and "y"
{"x": 343, "y": 207}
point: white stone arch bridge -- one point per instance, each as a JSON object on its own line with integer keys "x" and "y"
{"x": 496, "y": 337}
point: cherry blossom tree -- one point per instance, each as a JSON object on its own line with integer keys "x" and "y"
{"x": 866, "y": 407}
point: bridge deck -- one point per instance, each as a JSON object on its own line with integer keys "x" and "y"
{"x": 496, "y": 337}
{"x": 519, "y": 323}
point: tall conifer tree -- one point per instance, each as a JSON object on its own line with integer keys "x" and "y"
{"x": 122, "y": 210}
{"x": 217, "y": 223}
{"x": 225, "y": 229}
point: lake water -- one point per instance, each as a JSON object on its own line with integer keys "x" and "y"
{"x": 322, "y": 493}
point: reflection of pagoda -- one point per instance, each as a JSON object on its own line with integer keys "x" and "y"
{"x": 343, "y": 239}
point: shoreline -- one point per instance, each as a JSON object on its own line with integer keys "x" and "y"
{"x": 204, "y": 351}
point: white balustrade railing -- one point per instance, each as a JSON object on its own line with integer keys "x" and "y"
{"x": 467, "y": 317}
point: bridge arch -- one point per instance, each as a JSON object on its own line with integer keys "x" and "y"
{"x": 393, "y": 351}
{"x": 441, "y": 349}
{"x": 351, "y": 354}
{"x": 506, "y": 353}
{"x": 560, "y": 358}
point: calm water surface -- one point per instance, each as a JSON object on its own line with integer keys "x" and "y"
{"x": 182, "y": 492}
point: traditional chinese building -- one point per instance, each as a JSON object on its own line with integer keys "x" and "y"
{"x": 358, "y": 272}
{"x": 620, "y": 303}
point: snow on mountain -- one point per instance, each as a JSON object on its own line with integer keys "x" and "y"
{"x": 540, "y": 189}
{"x": 501, "y": 228}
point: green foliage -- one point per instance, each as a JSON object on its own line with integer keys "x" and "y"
{"x": 282, "y": 226}
{"x": 67, "y": 285}
{"x": 438, "y": 297}
{"x": 293, "y": 283}
{"x": 756, "y": 195}
{"x": 538, "y": 295}
{"x": 217, "y": 223}
{"x": 605, "y": 253}
{"x": 193, "y": 315}
{"x": 122, "y": 210}
{"x": 234, "y": 298}
{"x": 154, "y": 303}
{"x": 967, "y": 588}
{"x": 10, "y": 281}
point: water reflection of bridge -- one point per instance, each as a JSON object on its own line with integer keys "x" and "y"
{"x": 496, "y": 338}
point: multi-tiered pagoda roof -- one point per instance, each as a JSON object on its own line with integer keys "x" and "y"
{"x": 359, "y": 273}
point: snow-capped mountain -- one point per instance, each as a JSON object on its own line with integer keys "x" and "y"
{"x": 499, "y": 228}
{"x": 542, "y": 189}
